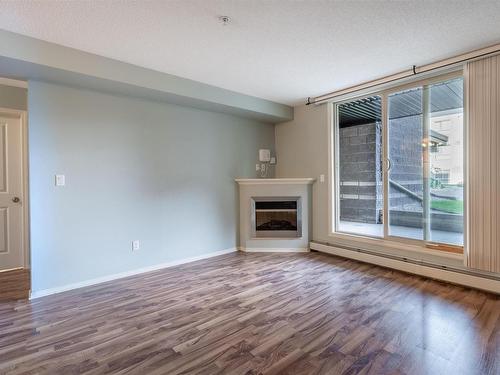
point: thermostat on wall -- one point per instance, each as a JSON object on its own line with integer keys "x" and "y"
{"x": 264, "y": 155}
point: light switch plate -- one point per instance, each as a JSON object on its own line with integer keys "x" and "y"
{"x": 136, "y": 245}
{"x": 60, "y": 180}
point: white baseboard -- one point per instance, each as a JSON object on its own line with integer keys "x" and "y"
{"x": 468, "y": 280}
{"x": 274, "y": 249}
{"x": 103, "y": 279}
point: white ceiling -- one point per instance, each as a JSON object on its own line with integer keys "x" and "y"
{"x": 280, "y": 50}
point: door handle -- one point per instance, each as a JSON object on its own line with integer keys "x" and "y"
{"x": 16, "y": 200}
{"x": 389, "y": 164}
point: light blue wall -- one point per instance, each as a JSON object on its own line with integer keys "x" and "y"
{"x": 159, "y": 173}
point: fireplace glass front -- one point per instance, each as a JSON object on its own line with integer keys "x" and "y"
{"x": 274, "y": 217}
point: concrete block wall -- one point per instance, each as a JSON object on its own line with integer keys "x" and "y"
{"x": 360, "y": 173}
{"x": 405, "y": 152}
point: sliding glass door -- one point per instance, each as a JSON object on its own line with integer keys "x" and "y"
{"x": 399, "y": 156}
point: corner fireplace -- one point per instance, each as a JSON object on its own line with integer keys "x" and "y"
{"x": 274, "y": 217}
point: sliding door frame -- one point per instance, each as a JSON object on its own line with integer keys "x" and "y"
{"x": 334, "y": 199}
{"x": 388, "y": 240}
{"x": 386, "y": 162}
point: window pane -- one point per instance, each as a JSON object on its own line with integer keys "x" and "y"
{"x": 446, "y": 162}
{"x": 426, "y": 162}
{"x": 406, "y": 164}
{"x": 359, "y": 167}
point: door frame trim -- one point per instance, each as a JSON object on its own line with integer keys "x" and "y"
{"x": 23, "y": 116}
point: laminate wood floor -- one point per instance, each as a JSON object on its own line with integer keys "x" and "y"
{"x": 256, "y": 313}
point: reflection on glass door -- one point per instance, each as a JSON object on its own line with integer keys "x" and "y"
{"x": 425, "y": 151}
{"x": 446, "y": 162}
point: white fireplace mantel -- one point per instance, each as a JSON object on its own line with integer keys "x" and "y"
{"x": 252, "y": 190}
{"x": 275, "y": 181}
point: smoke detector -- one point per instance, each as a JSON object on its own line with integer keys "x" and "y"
{"x": 224, "y": 20}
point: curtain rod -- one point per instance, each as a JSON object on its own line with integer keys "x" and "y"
{"x": 469, "y": 56}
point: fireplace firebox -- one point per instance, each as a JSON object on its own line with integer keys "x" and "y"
{"x": 276, "y": 217}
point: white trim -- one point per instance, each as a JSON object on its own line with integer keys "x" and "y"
{"x": 103, "y": 279}
{"x": 417, "y": 269}
{"x": 274, "y": 249}
{"x": 13, "y": 83}
{"x": 275, "y": 181}
{"x": 26, "y": 193}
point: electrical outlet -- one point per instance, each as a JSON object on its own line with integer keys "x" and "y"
{"x": 136, "y": 245}
{"x": 257, "y": 167}
{"x": 321, "y": 178}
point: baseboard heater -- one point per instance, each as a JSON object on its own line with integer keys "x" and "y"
{"x": 488, "y": 282}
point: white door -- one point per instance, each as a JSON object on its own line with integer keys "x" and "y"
{"x": 11, "y": 192}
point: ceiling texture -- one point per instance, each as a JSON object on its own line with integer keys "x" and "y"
{"x": 279, "y": 50}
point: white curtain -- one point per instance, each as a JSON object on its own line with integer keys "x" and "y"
{"x": 483, "y": 82}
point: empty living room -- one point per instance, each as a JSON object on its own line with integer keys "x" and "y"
{"x": 249, "y": 187}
